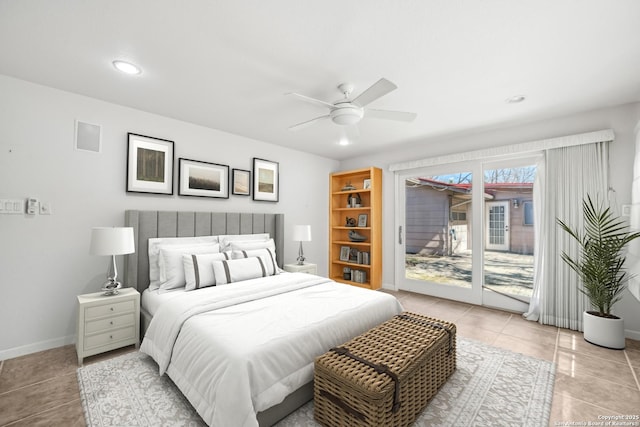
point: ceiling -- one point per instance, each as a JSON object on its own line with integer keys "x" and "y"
{"x": 227, "y": 64}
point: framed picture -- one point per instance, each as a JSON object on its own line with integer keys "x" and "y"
{"x": 203, "y": 179}
{"x": 149, "y": 164}
{"x": 362, "y": 220}
{"x": 265, "y": 180}
{"x": 344, "y": 253}
{"x": 366, "y": 184}
{"x": 241, "y": 182}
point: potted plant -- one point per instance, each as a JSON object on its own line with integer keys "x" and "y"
{"x": 600, "y": 267}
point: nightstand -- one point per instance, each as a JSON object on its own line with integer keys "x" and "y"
{"x": 107, "y": 322}
{"x": 304, "y": 268}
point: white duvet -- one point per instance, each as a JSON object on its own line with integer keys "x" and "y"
{"x": 238, "y": 349}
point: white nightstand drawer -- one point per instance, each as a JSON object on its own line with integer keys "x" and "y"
{"x": 109, "y": 309}
{"x": 109, "y": 323}
{"x": 107, "y": 338}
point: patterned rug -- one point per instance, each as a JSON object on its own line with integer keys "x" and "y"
{"x": 490, "y": 387}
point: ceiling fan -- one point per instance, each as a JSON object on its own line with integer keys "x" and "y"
{"x": 347, "y": 112}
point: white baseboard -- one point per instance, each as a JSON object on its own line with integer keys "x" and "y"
{"x": 389, "y": 286}
{"x": 634, "y": 335}
{"x": 36, "y": 347}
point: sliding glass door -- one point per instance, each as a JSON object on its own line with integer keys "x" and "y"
{"x": 466, "y": 232}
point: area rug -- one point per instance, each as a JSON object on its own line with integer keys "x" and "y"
{"x": 490, "y": 387}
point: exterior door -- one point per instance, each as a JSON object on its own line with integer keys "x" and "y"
{"x": 497, "y": 226}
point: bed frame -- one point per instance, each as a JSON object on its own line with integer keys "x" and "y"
{"x": 150, "y": 224}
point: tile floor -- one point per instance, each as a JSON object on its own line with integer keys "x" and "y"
{"x": 41, "y": 389}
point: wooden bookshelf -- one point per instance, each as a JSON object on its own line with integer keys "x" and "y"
{"x": 364, "y": 259}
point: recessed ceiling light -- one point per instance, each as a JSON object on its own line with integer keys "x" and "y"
{"x": 516, "y": 99}
{"x": 126, "y": 67}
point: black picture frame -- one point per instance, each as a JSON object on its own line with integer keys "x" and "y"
{"x": 240, "y": 182}
{"x": 266, "y": 180}
{"x": 203, "y": 179}
{"x": 149, "y": 164}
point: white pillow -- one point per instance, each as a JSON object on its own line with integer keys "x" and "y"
{"x": 171, "y": 266}
{"x": 247, "y": 245}
{"x": 154, "y": 251}
{"x": 226, "y": 239}
{"x": 267, "y": 254}
{"x": 237, "y": 270}
{"x": 198, "y": 269}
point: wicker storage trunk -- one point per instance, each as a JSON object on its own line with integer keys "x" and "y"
{"x": 386, "y": 376}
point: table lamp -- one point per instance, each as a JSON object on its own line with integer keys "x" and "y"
{"x": 301, "y": 233}
{"x": 112, "y": 241}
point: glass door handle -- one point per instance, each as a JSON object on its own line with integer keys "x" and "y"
{"x": 400, "y": 235}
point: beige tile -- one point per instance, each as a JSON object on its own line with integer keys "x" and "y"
{"x": 30, "y": 400}
{"x": 599, "y": 391}
{"x": 573, "y": 340}
{"x": 486, "y": 321}
{"x": 69, "y": 415}
{"x": 534, "y": 332}
{"x": 573, "y": 364}
{"x": 525, "y": 346}
{"x": 634, "y": 356}
{"x": 566, "y": 410}
{"x": 33, "y": 368}
{"x": 474, "y": 333}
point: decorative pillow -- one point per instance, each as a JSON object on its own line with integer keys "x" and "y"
{"x": 154, "y": 251}
{"x": 267, "y": 254}
{"x": 171, "y": 267}
{"x": 237, "y": 270}
{"x": 226, "y": 239}
{"x": 247, "y": 245}
{"x": 198, "y": 269}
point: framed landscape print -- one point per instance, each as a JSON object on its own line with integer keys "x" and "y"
{"x": 241, "y": 182}
{"x": 149, "y": 164}
{"x": 203, "y": 179}
{"x": 265, "y": 180}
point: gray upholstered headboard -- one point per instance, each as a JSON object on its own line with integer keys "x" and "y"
{"x": 148, "y": 224}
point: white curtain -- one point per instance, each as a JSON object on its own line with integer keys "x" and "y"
{"x": 565, "y": 179}
{"x": 633, "y": 255}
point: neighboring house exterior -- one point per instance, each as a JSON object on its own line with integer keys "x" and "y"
{"x": 438, "y": 217}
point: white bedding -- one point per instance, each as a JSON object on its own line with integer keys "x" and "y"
{"x": 152, "y": 299}
{"x": 238, "y": 349}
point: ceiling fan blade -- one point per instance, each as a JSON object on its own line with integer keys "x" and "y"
{"x": 401, "y": 116}
{"x": 375, "y": 91}
{"x": 307, "y": 123}
{"x": 311, "y": 100}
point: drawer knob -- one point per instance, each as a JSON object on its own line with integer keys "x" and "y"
{"x": 110, "y": 336}
{"x": 111, "y": 308}
{"x": 111, "y": 323}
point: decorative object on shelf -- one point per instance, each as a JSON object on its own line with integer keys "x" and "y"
{"x": 346, "y": 273}
{"x": 351, "y": 222}
{"x": 362, "y": 220}
{"x": 354, "y": 200}
{"x": 241, "y": 182}
{"x": 348, "y": 187}
{"x": 265, "y": 180}
{"x": 203, "y": 179}
{"x": 301, "y": 233}
{"x": 354, "y": 236}
{"x": 149, "y": 165}
{"x": 112, "y": 241}
{"x": 344, "y": 253}
{"x": 366, "y": 184}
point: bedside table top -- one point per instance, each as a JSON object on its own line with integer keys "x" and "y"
{"x": 97, "y": 296}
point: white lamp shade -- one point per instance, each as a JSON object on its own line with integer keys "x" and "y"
{"x": 112, "y": 241}
{"x": 302, "y": 233}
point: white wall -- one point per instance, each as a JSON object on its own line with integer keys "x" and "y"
{"x": 621, "y": 119}
{"x": 44, "y": 260}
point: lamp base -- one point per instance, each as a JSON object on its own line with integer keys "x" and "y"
{"x": 111, "y": 288}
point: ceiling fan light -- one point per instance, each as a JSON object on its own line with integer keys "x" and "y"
{"x": 346, "y": 115}
{"x": 343, "y": 141}
{"x": 126, "y": 67}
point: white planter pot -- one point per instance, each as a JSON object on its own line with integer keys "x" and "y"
{"x": 603, "y": 331}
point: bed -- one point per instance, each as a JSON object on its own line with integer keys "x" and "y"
{"x": 243, "y": 353}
